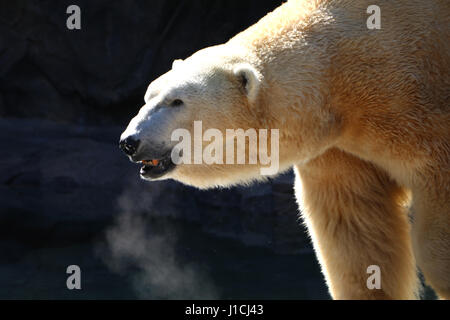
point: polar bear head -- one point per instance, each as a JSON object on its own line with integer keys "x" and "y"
{"x": 195, "y": 115}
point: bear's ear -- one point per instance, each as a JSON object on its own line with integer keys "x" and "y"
{"x": 249, "y": 78}
{"x": 176, "y": 63}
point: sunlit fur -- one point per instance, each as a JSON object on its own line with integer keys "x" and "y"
{"x": 364, "y": 118}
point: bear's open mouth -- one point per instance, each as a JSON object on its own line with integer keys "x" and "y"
{"x": 156, "y": 168}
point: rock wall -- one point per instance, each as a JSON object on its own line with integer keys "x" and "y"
{"x": 99, "y": 74}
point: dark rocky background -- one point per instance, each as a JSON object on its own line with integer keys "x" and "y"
{"x": 99, "y": 74}
{"x": 68, "y": 196}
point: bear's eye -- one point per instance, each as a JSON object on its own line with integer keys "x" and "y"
{"x": 176, "y": 103}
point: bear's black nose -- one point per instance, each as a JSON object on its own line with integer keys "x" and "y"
{"x": 129, "y": 145}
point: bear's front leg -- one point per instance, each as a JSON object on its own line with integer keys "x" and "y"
{"x": 356, "y": 219}
{"x": 431, "y": 229}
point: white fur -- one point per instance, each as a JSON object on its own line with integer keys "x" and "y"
{"x": 253, "y": 77}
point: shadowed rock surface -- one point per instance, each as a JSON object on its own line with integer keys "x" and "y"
{"x": 99, "y": 74}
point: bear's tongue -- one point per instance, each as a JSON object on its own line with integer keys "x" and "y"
{"x": 153, "y": 162}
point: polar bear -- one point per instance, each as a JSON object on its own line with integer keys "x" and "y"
{"x": 363, "y": 117}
